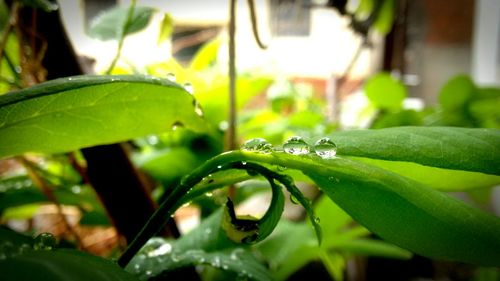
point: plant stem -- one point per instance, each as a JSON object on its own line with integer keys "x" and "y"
{"x": 183, "y": 191}
{"x": 14, "y": 11}
{"x": 122, "y": 35}
{"x": 231, "y": 131}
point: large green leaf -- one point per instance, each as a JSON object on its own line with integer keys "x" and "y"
{"x": 110, "y": 24}
{"x": 61, "y": 265}
{"x": 70, "y": 113}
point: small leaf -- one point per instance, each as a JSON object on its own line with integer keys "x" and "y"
{"x": 385, "y": 92}
{"x": 109, "y": 25}
{"x": 206, "y": 55}
{"x": 71, "y": 113}
{"x": 456, "y": 92}
{"x": 385, "y": 17}
{"x": 166, "y": 28}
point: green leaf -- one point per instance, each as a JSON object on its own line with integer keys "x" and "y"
{"x": 70, "y": 113}
{"x": 385, "y": 92}
{"x": 456, "y": 180}
{"x": 402, "y": 211}
{"x": 46, "y": 5}
{"x": 166, "y": 28}
{"x": 110, "y": 24}
{"x": 385, "y": 17}
{"x": 61, "y": 265}
{"x": 456, "y": 92}
{"x": 205, "y": 245}
{"x": 206, "y": 56}
{"x": 367, "y": 247}
{"x": 414, "y": 216}
{"x": 474, "y": 150}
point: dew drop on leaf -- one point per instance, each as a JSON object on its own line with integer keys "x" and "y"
{"x": 296, "y": 146}
{"x": 171, "y": 77}
{"x": 325, "y": 148}
{"x": 317, "y": 220}
{"x": 257, "y": 145}
{"x": 44, "y": 241}
{"x": 294, "y": 199}
{"x": 188, "y": 87}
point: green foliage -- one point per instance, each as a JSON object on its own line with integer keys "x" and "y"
{"x": 110, "y": 25}
{"x": 386, "y": 202}
{"x": 385, "y": 92}
{"x": 61, "y": 265}
{"x": 166, "y": 28}
{"x": 206, "y": 245}
{"x": 71, "y": 113}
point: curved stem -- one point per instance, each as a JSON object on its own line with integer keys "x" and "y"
{"x": 218, "y": 163}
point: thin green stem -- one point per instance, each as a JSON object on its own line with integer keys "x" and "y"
{"x": 123, "y": 33}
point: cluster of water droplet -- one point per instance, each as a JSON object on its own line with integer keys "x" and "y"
{"x": 42, "y": 242}
{"x": 157, "y": 255}
{"x": 324, "y": 147}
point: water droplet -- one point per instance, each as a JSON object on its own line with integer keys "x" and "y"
{"x": 257, "y": 145}
{"x": 317, "y": 220}
{"x": 76, "y": 189}
{"x": 148, "y": 273}
{"x": 25, "y": 248}
{"x": 216, "y": 262}
{"x": 175, "y": 257}
{"x": 171, "y": 77}
{"x": 243, "y": 163}
{"x": 7, "y": 249}
{"x": 176, "y": 125}
{"x": 219, "y": 166}
{"x": 162, "y": 250}
{"x": 294, "y": 199}
{"x": 325, "y": 148}
{"x": 209, "y": 194}
{"x": 188, "y": 87}
{"x": 197, "y": 109}
{"x": 44, "y": 241}
{"x": 153, "y": 140}
{"x": 223, "y": 125}
{"x": 225, "y": 267}
{"x": 235, "y": 254}
{"x": 208, "y": 231}
{"x": 296, "y": 146}
{"x": 281, "y": 168}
